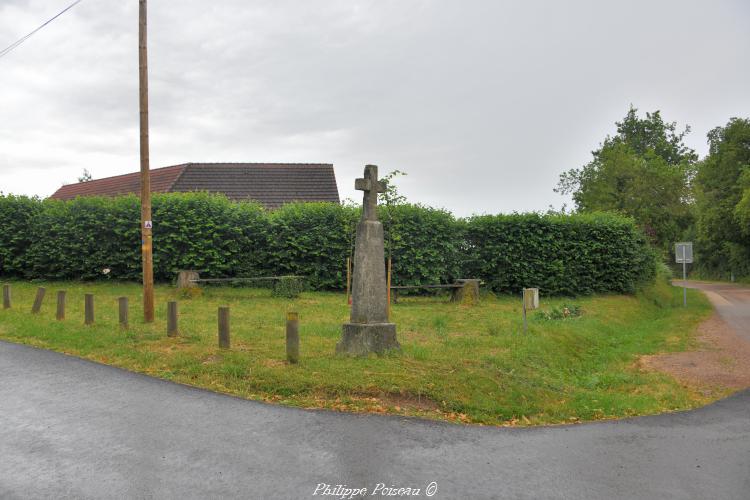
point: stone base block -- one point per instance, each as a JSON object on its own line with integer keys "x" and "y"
{"x": 360, "y": 339}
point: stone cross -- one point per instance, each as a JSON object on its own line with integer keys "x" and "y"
{"x": 371, "y": 186}
{"x": 368, "y": 329}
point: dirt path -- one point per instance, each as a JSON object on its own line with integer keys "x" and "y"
{"x": 723, "y": 361}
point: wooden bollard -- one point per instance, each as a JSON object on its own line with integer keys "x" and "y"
{"x": 38, "y": 300}
{"x": 292, "y": 337}
{"x": 60, "y": 305}
{"x": 172, "y": 319}
{"x": 224, "y": 327}
{"x": 88, "y": 309}
{"x": 122, "y": 303}
{"x": 6, "y": 296}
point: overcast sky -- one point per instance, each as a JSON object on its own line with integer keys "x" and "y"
{"x": 482, "y": 103}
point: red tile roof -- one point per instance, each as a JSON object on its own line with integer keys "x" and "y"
{"x": 162, "y": 180}
{"x": 271, "y": 184}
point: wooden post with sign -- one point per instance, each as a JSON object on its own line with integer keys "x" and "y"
{"x": 146, "y": 224}
{"x": 530, "y": 302}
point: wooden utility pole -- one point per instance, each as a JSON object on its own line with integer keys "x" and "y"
{"x": 146, "y": 223}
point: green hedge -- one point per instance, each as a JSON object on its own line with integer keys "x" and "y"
{"x": 562, "y": 255}
{"x": 17, "y": 215}
{"x": 78, "y": 239}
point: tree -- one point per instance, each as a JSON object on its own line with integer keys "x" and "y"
{"x": 390, "y": 198}
{"x": 645, "y": 171}
{"x": 85, "y": 176}
{"x": 723, "y": 201}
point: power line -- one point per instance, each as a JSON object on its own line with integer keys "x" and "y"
{"x": 24, "y": 38}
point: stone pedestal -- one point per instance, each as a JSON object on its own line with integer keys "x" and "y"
{"x": 360, "y": 339}
{"x": 184, "y": 279}
{"x": 468, "y": 293}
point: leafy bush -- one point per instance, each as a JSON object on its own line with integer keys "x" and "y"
{"x": 312, "y": 240}
{"x": 17, "y": 214}
{"x": 562, "y": 255}
{"x": 564, "y": 311}
{"x": 424, "y": 242}
{"x": 77, "y": 239}
{"x": 289, "y": 287}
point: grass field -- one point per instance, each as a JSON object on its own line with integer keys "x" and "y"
{"x": 458, "y": 363}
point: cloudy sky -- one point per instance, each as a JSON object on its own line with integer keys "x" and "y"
{"x": 482, "y": 103}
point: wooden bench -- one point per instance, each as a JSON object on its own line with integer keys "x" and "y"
{"x": 463, "y": 290}
{"x": 190, "y": 279}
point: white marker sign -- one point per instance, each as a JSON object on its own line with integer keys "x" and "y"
{"x": 683, "y": 252}
{"x": 148, "y": 224}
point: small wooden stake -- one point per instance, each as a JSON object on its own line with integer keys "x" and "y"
{"x": 292, "y": 337}
{"x": 224, "y": 327}
{"x": 388, "y": 287}
{"x": 122, "y": 303}
{"x": 38, "y": 300}
{"x": 172, "y": 319}
{"x": 6, "y": 296}
{"x": 60, "y": 305}
{"x": 88, "y": 309}
{"x": 348, "y": 279}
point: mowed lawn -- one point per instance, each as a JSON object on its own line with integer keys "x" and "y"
{"x": 458, "y": 363}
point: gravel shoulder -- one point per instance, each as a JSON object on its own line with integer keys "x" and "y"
{"x": 721, "y": 364}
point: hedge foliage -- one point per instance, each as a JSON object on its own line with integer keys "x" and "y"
{"x": 78, "y": 239}
{"x": 559, "y": 254}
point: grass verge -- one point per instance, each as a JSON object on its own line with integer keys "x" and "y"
{"x": 458, "y": 363}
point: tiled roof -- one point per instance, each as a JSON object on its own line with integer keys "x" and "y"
{"x": 271, "y": 184}
{"x": 162, "y": 180}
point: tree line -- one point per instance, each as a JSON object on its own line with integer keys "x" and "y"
{"x": 647, "y": 172}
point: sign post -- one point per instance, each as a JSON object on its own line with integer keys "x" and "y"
{"x": 683, "y": 252}
{"x": 146, "y": 224}
{"x": 530, "y": 302}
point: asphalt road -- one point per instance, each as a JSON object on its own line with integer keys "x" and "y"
{"x": 70, "y": 428}
{"x": 732, "y": 302}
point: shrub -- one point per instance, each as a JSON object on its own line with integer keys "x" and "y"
{"x": 17, "y": 214}
{"x": 77, "y": 239}
{"x": 289, "y": 287}
{"x": 425, "y": 244}
{"x": 312, "y": 240}
{"x": 562, "y": 255}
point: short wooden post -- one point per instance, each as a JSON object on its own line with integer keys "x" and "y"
{"x": 348, "y": 280}
{"x": 88, "y": 309}
{"x": 60, "y": 305}
{"x": 388, "y": 291}
{"x": 6, "y": 296}
{"x": 38, "y": 300}
{"x": 122, "y": 303}
{"x": 224, "y": 327}
{"x": 172, "y": 319}
{"x": 292, "y": 337}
